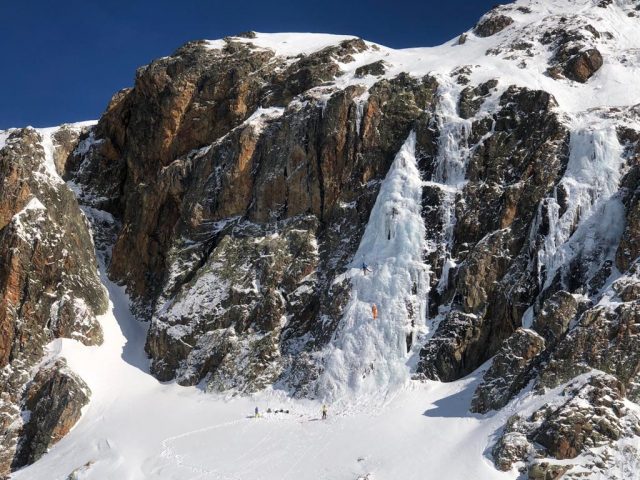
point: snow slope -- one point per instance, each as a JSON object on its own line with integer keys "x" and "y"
{"x": 138, "y": 428}
{"x": 615, "y": 84}
{"x": 289, "y": 44}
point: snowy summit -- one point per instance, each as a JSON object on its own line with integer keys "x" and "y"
{"x": 303, "y": 256}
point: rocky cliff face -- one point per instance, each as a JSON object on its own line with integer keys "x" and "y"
{"x": 50, "y": 289}
{"x": 244, "y": 176}
{"x": 245, "y": 226}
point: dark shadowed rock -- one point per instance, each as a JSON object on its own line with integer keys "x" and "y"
{"x": 471, "y": 99}
{"x": 446, "y": 356}
{"x": 53, "y": 405}
{"x": 493, "y": 280}
{"x": 492, "y": 24}
{"x": 629, "y": 248}
{"x": 510, "y": 371}
{"x": 376, "y": 69}
{"x": 584, "y": 65}
{"x": 557, "y": 312}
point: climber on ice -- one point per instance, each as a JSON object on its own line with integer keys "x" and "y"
{"x": 365, "y": 268}
{"x": 324, "y": 412}
{"x": 374, "y": 311}
{"x": 257, "y": 413}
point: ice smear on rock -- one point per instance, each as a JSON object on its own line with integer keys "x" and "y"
{"x": 451, "y": 166}
{"x": 584, "y": 217}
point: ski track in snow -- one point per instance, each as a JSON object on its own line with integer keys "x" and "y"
{"x": 138, "y": 428}
{"x": 423, "y": 428}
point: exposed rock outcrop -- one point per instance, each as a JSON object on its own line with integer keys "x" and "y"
{"x": 444, "y": 357}
{"x": 52, "y": 404}
{"x": 574, "y": 54}
{"x": 582, "y": 66}
{"x": 510, "y": 371}
{"x": 493, "y": 282}
{"x": 49, "y": 284}
{"x": 513, "y": 445}
{"x": 492, "y": 24}
{"x": 376, "y": 69}
{"x": 591, "y": 418}
{"x": 555, "y": 317}
{"x": 472, "y": 98}
{"x": 605, "y": 339}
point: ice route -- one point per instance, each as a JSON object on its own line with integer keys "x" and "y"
{"x": 367, "y": 356}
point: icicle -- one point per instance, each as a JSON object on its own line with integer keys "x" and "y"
{"x": 451, "y": 166}
{"x": 592, "y": 177}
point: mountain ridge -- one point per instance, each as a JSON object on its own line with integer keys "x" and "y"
{"x": 489, "y": 184}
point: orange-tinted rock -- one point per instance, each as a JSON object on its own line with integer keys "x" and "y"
{"x": 54, "y": 401}
{"x": 49, "y": 286}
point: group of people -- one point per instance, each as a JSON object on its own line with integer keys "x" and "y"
{"x": 374, "y": 313}
{"x": 256, "y": 413}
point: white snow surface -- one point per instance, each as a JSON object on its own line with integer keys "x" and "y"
{"x": 3, "y": 137}
{"x": 27, "y": 230}
{"x": 289, "y": 44}
{"x": 47, "y": 145}
{"x": 138, "y": 428}
{"x": 615, "y": 84}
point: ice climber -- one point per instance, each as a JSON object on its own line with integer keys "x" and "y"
{"x": 324, "y": 412}
{"x": 365, "y": 268}
{"x": 374, "y": 311}
{"x": 257, "y": 412}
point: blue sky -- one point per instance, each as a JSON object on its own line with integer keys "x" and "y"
{"x": 62, "y": 60}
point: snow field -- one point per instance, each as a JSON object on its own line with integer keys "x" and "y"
{"x": 138, "y": 428}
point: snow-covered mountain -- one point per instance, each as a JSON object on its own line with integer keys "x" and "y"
{"x": 440, "y": 244}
